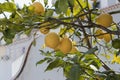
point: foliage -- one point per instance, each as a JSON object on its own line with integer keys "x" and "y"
{"x": 76, "y": 19}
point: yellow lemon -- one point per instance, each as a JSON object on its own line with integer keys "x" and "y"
{"x": 104, "y": 20}
{"x": 65, "y": 45}
{"x": 58, "y": 47}
{"x": 38, "y": 8}
{"x": 52, "y": 40}
{"x": 107, "y": 37}
{"x": 99, "y": 32}
{"x": 44, "y": 30}
{"x": 73, "y": 50}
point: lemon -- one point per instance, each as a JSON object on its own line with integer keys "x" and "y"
{"x": 44, "y": 30}
{"x": 65, "y": 45}
{"x": 73, "y": 50}
{"x": 57, "y": 48}
{"x": 107, "y": 37}
{"x": 104, "y": 20}
{"x": 38, "y": 8}
{"x": 99, "y": 32}
{"x": 116, "y": 43}
{"x": 52, "y": 40}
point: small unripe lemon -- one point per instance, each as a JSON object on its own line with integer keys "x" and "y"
{"x": 52, "y": 40}
{"x": 116, "y": 43}
{"x": 104, "y": 20}
{"x": 38, "y": 8}
{"x": 31, "y": 8}
{"x": 65, "y": 45}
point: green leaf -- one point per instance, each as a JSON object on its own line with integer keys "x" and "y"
{"x": 71, "y": 4}
{"x": 90, "y": 59}
{"x": 45, "y": 2}
{"x": 12, "y": 0}
{"x": 49, "y": 13}
{"x": 8, "y": 7}
{"x": 75, "y": 72}
{"x": 28, "y": 31}
{"x": 13, "y": 14}
{"x": 77, "y": 33}
{"x": 7, "y": 40}
{"x": 9, "y": 33}
{"x": 59, "y": 54}
{"x": 115, "y": 43}
{"x": 118, "y": 52}
{"x": 42, "y": 61}
{"x": 75, "y": 59}
{"x": 33, "y": 0}
{"x": 56, "y": 63}
{"x": 63, "y": 5}
{"x": 56, "y": 8}
{"x": 66, "y": 69}
{"x": 34, "y": 42}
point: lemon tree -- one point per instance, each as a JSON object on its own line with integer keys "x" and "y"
{"x": 63, "y": 23}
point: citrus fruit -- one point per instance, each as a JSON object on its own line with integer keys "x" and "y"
{"x": 65, "y": 45}
{"x": 104, "y": 20}
{"x": 73, "y": 50}
{"x": 107, "y": 37}
{"x": 99, "y": 32}
{"x": 116, "y": 43}
{"x": 44, "y": 30}
{"x": 52, "y": 40}
{"x": 38, "y": 8}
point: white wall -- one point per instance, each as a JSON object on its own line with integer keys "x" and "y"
{"x": 5, "y": 70}
{"x": 33, "y": 72}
